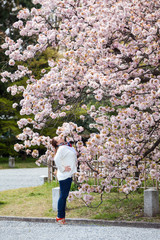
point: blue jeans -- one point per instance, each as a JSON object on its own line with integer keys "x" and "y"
{"x": 65, "y": 186}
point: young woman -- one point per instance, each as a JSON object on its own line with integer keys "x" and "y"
{"x": 66, "y": 163}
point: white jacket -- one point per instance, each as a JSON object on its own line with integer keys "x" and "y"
{"x": 65, "y": 156}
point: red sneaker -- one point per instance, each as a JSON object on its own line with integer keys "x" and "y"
{"x": 60, "y": 220}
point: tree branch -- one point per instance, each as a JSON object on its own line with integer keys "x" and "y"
{"x": 152, "y": 148}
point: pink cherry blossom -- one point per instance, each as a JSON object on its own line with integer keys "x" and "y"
{"x": 108, "y": 68}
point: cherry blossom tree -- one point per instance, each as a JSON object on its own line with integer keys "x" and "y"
{"x": 111, "y": 52}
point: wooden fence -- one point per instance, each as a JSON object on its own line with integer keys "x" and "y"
{"x": 147, "y": 182}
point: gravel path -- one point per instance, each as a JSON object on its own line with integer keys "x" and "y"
{"x": 52, "y": 231}
{"x": 19, "y": 178}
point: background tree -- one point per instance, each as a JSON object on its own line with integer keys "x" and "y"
{"x": 9, "y": 115}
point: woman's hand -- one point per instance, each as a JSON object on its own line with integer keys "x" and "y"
{"x": 67, "y": 169}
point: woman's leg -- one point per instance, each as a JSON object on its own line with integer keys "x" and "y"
{"x": 64, "y": 191}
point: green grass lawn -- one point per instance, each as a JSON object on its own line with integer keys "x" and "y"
{"x": 29, "y": 162}
{"x": 37, "y": 202}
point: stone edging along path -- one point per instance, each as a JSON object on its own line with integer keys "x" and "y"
{"x": 80, "y": 221}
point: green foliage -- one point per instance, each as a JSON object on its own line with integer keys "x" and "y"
{"x": 25, "y": 3}
{"x": 6, "y": 17}
{"x": 41, "y": 62}
{"x": 8, "y": 115}
{"x": 3, "y": 148}
{"x": 74, "y": 186}
{"x": 8, "y": 127}
{"x": 6, "y": 107}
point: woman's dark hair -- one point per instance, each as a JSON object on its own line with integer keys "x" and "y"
{"x": 54, "y": 143}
